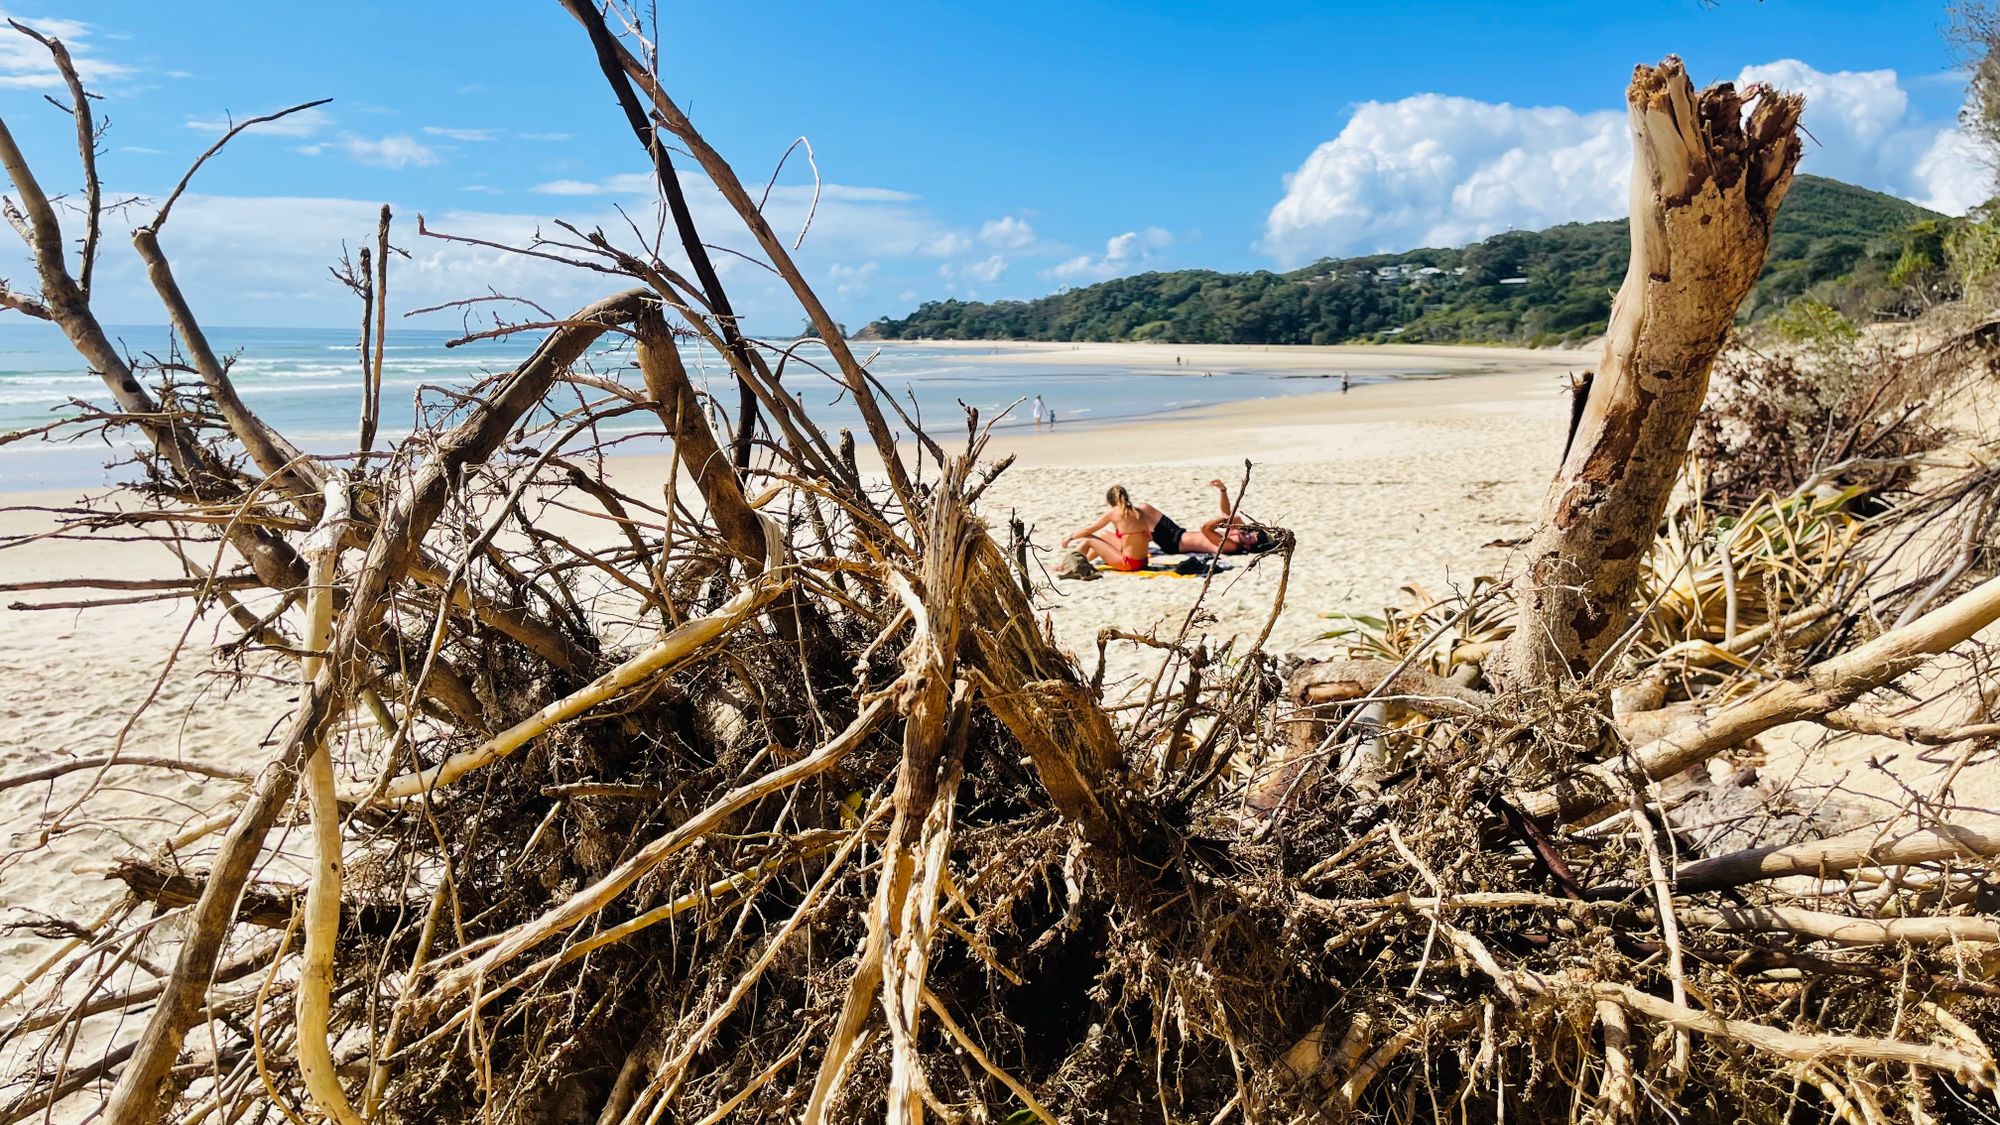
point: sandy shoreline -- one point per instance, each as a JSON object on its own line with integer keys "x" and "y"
{"x": 1395, "y": 482}
{"x": 1357, "y": 358}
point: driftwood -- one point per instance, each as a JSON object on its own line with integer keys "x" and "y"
{"x": 1842, "y": 928}
{"x": 265, "y": 906}
{"x": 1708, "y": 174}
{"x": 777, "y": 800}
{"x": 1967, "y": 839}
{"x": 1826, "y": 688}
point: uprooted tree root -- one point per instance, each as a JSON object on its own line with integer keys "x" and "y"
{"x": 772, "y": 799}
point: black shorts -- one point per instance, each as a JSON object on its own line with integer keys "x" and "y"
{"x": 1167, "y": 535}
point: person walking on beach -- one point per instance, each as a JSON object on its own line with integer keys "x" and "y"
{"x": 1343, "y": 382}
{"x": 1041, "y": 412}
{"x": 1129, "y": 524}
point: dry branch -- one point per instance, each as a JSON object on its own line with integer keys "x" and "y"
{"x": 143, "y": 1083}
{"x": 682, "y": 643}
{"x": 1707, "y": 179}
{"x": 1974, "y": 1070}
{"x": 322, "y": 908}
{"x": 145, "y": 761}
{"x": 1974, "y": 838}
{"x": 586, "y": 901}
{"x": 1842, "y": 928}
{"x": 1829, "y": 685}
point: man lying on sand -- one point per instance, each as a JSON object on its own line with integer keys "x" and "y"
{"x": 1133, "y": 524}
{"x": 1226, "y": 534}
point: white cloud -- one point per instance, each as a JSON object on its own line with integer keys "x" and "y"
{"x": 851, "y": 281}
{"x": 239, "y": 256}
{"x": 26, "y": 65}
{"x": 850, "y": 193}
{"x": 848, "y": 221}
{"x": 944, "y": 245}
{"x": 1008, "y": 233}
{"x": 1862, "y": 131}
{"x": 543, "y": 136}
{"x": 262, "y": 260}
{"x": 398, "y": 151}
{"x": 988, "y": 270}
{"x": 1857, "y": 121}
{"x": 643, "y": 183}
{"x": 567, "y": 187}
{"x": 394, "y": 152}
{"x": 1437, "y": 170}
{"x": 304, "y": 123}
{"x": 624, "y": 183}
{"x": 1956, "y": 173}
{"x": 1433, "y": 170}
{"x": 1855, "y": 105}
{"x": 459, "y": 134}
{"x": 1134, "y": 243}
{"x": 1123, "y": 253}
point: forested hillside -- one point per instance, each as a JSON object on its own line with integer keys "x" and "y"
{"x": 1866, "y": 253}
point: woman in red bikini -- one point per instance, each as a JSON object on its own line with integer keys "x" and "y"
{"x": 1130, "y": 529}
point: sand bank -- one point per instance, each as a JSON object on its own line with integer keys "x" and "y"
{"x": 1360, "y": 359}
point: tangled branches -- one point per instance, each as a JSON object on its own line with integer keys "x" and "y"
{"x": 757, "y": 790}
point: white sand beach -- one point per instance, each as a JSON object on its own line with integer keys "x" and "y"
{"x": 1386, "y": 485}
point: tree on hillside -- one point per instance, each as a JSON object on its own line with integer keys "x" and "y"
{"x": 1833, "y": 240}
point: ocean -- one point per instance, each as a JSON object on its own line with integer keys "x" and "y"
{"x": 306, "y": 383}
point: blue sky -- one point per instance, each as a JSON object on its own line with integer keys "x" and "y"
{"x": 974, "y": 151}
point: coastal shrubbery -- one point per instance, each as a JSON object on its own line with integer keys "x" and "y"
{"x": 1863, "y": 252}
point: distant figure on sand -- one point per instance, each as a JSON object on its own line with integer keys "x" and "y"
{"x": 1343, "y": 382}
{"x": 1041, "y": 412}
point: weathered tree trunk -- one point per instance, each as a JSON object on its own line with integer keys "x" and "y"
{"x": 1706, "y": 184}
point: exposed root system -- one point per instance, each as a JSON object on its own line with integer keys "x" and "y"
{"x": 766, "y": 795}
